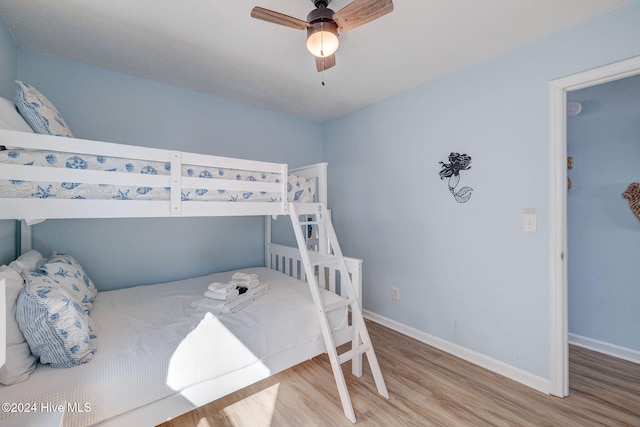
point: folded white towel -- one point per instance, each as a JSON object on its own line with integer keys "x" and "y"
{"x": 258, "y": 291}
{"x": 239, "y": 275}
{"x": 222, "y": 287}
{"x": 222, "y": 296}
{"x": 237, "y": 305}
{"x": 219, "y": 307}
{"x": 246, "y": 283}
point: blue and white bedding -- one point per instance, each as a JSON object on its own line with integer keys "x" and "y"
{"x": 299, "y": 189}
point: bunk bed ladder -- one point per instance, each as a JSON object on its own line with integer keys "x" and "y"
{"x": 328, "y": 252}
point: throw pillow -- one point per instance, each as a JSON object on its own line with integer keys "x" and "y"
{"x": 39, "y": 112}
{"x": 27, "y": 261}
{"x": 10, "y": 119}
{"x": 56, "y": 327}
{"x": 67, "y": 273}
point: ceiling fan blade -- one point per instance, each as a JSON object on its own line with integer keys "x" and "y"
{"x": 278, "y": 18}
{"x": 326, "y": 62}
{"x": 360, "y": 12}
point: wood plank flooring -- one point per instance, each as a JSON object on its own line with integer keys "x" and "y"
{"x": 429, "y": 388}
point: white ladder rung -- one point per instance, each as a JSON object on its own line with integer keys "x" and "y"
{"x": 338, "y": 305}
{"x": 356, "y": 351}
{"x": 321, "y": 222}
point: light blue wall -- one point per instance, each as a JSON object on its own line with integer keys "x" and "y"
{"x": 8, "y": 61}
{"x": 105, "y": 105}
{"x": 8, "y": 56}
{"x": 467, "y": 272}
{"x": 604, "y": 235}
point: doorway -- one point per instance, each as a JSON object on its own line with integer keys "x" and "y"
{"x": 559, "y": 378}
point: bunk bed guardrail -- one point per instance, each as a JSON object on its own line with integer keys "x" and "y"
{"x": 287, "y": 260}
{"x": 176, "y": 181}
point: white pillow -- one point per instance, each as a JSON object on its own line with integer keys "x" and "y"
{"x": 20, "y": 362}
{"x": 27, "y": 261}
{"x": 39, "y": 112}
{"x": 56, "y": 327}
{"x": 10, "y": 119}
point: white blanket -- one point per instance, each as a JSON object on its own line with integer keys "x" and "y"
{"x": 152, "y": 345}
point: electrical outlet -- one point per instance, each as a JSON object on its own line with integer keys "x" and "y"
{"x": 395, "y": 294}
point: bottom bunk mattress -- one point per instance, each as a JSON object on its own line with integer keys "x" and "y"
{"x": 151, "y": 345}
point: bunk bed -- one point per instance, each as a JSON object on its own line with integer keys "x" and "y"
{"x": 149, "y": 182}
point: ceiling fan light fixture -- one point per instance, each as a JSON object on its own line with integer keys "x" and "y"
{"x": 322, "y": 24}
{"x": 322, "y": 38}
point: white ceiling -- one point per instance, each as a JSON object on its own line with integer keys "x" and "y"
{"x": 214, "y": 46}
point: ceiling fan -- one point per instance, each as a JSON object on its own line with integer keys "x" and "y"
{"x": 322, "y": 24}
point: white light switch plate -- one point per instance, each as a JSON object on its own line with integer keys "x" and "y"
{"x": 529, "y": 220}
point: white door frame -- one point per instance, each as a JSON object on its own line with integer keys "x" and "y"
{"x": 558, "y": 209}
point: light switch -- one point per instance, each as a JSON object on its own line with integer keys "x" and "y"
{"x": 529, "y": 220}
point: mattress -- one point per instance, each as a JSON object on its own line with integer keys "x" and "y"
{"x": 299, "y": 189}
{"x": 152, "y": 345}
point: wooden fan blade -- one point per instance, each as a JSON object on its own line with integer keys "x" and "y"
{"x": 278, "y": 18}
{"x": 360, "y": 12}
{"x": 326, "y": 62}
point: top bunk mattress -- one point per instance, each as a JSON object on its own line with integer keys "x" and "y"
{"x": 299, "y": 189}
{"x": 152, "y": 345}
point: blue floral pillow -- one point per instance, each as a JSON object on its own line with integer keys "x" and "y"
{"x": 55, "y": 326}
{"x": 39, "y": 112}
{"x": 65, "y": 272}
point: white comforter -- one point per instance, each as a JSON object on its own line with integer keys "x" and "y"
{"x": 152, "y": 345}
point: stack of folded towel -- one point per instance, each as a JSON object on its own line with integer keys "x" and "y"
{"x": 245, "y": 280}
{"x": 251, "y": 283}
{"x": 258, "y": 290}
{"x": 231, "y": 297}
{"x": 222, "y": 291}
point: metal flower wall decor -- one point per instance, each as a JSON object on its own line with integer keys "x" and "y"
{"x": 457, "y": 162}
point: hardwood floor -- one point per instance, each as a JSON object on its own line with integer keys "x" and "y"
{"x": 429, "y": 388}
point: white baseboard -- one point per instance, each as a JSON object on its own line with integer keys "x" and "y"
{"x": 605, "y": 348}
{"x": 538, "y": 383}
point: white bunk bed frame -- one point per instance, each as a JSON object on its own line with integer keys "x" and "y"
{"x": 315, "y": 260}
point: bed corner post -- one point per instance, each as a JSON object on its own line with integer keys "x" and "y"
{"x": 267, "y": 241}
{"x": 25, "y": 236}
{"x": 322, "y": 183}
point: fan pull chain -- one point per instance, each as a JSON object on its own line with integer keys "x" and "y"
{"x": 324, "y": 66}
{"x": 324, "y": 60}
